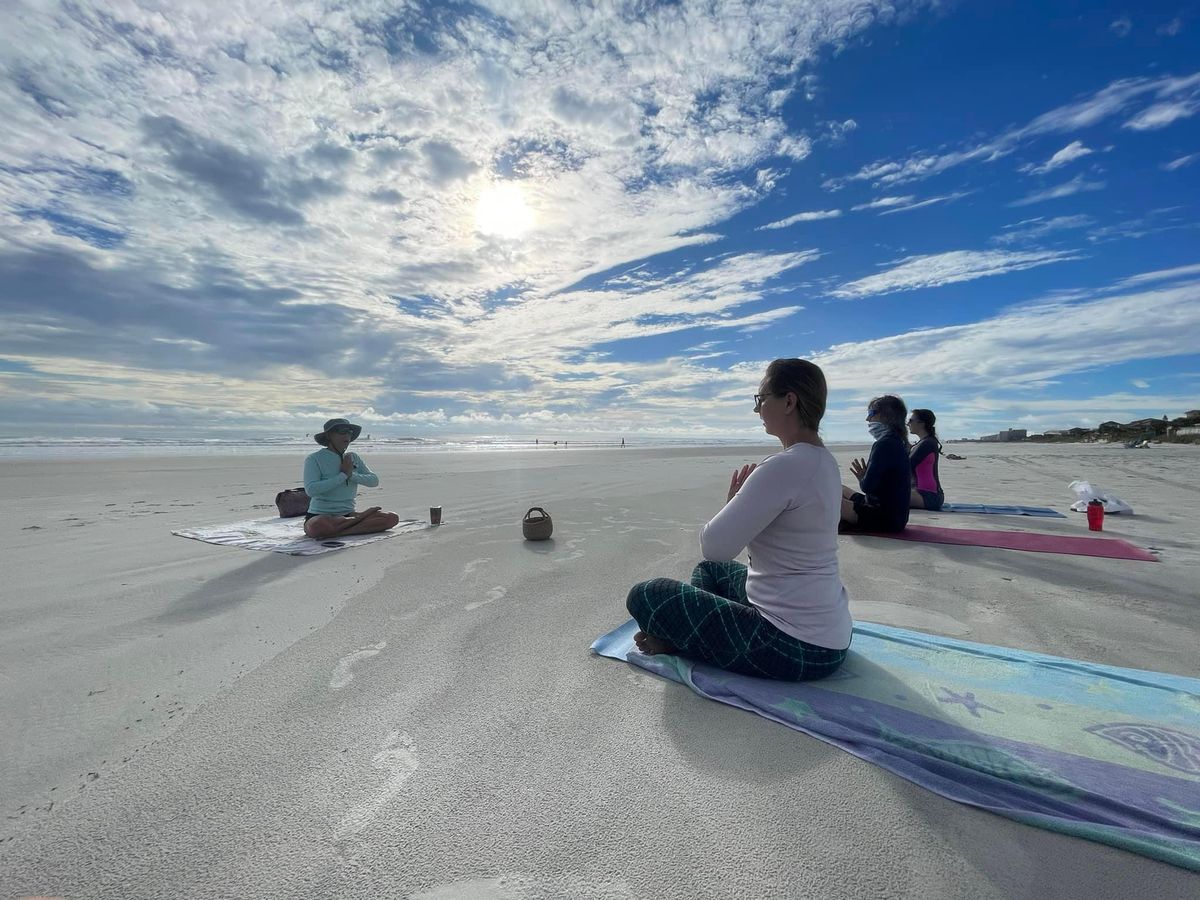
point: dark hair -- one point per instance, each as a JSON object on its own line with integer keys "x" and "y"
{"x": 927, "y": 419}
{"x": 806, "y": 381}
{"x": 891, "y": 411}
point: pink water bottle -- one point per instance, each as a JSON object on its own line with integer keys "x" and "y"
{"x": 1095, "y": 514}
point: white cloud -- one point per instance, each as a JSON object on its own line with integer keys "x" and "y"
{"x": 1155, "y": 221}
{"x": 835, "y": 133}
{"x": 1073, "y": 151}
{"x": 1170, "y": 29}
{"x": 949, "y": 268}
{"x": 1025, "y": 347}
{"x": 885, "y": 202}
{"x": 813, "y": 216}
{"x": 1180, "y": 162}
{"x": 543, "y": 333}
{"x": 1160, "y": 115}
{"x": 795, "y": 147}
{"x": 929, "y": 202}
{"x": 757, "y": 321}
{"x": 1179, "y": 272}
{"x": 603, "y": 107}
{"x": 217, "y": 189}
{"x": 1035, "y": 229}
{"x": 1170, "y": 98}
{"x": 241, "y": 189}
{"x": 1140, "y": 383}
{"x": 1121, "y": 27}
{"x": 55, "y": 380}
{"x": 1076, "y": 185}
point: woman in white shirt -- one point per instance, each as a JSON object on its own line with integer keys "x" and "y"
{"x": 787, "y": 614}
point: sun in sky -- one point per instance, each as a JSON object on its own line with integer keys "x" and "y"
{"x": 502, "y": 211}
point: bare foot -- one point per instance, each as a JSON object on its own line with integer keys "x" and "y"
{"x": 652, "y": 646}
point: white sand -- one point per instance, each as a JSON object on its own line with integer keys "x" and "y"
{"x": 421, "y": 717}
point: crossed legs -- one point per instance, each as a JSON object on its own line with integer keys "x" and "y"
{"x": 711, "y": 620}
{"x": 369, "y": 521}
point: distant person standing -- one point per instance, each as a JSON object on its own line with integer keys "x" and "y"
{"x": 331, "y": 479}
{"x": 882, "y": 501}
{"x": 927, "y": 490}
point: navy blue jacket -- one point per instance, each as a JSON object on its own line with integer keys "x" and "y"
{"x": 888, "y": 480}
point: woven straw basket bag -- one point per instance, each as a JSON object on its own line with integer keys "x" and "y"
{"x": 536, "y": 527}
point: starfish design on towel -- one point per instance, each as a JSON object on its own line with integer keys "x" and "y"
{"x": 967, "y": 699}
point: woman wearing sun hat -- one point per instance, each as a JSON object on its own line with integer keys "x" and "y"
{"x": 331, "y": 478}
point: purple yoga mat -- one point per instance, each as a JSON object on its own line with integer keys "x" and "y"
{"x": 1109, "y": 548}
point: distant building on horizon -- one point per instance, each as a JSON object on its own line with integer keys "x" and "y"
{"x": 1011, "y": 434}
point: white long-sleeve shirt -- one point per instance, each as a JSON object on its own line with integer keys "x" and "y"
{"x": 786, "y": 514}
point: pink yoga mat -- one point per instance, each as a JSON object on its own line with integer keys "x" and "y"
{"x": 1110, "y": 548}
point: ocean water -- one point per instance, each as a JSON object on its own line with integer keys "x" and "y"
{"x": 110, "y": 448}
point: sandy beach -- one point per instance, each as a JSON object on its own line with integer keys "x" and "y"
{"x": 421, "y": 717}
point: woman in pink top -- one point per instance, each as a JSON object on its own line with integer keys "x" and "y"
{"x": 923, "y": 458}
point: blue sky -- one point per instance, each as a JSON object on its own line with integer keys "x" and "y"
{"x": 565, "y": 220}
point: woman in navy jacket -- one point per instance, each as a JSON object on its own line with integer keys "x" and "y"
{"x": 881, "y": 503}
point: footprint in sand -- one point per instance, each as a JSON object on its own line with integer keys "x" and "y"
{"x": 396, "y": 758}
{"x": 469, "y": 568}
{"x": 342, "y": 675}
{"x": 496, "y": 593}
{"x": 574, "y": 553}
{"x": 647, "y": 683}
{"x": 471, "y": 889}
{"x": 524, "y": 885}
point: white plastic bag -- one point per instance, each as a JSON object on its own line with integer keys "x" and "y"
{"x": 1087, "y": 492}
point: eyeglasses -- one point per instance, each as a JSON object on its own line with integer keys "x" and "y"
{"x": 872, "y": 413}
{"x": 342, "y": 429}
{"x": 759, "y": 398}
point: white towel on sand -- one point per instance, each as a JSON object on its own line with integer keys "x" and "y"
{"x": 287, "y": 536}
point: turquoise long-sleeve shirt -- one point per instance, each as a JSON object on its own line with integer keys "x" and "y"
{"x": 331, "y": 492}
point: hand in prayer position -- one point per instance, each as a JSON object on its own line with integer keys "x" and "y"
{"x": 738, "y": 479}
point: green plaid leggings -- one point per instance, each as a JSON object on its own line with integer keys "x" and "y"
{"x": 710, "y": 620}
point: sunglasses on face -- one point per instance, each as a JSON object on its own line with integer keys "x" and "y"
{"x": 872, "y": 413}
{"x": 342, "y": 429}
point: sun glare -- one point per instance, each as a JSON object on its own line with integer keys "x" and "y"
{"x": 502, "y": 211}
